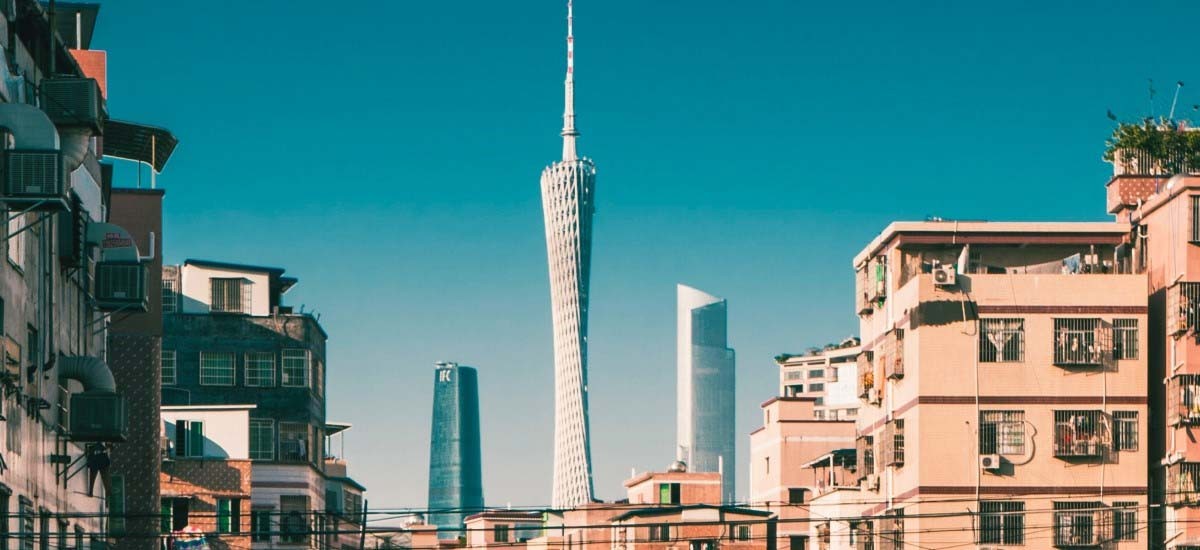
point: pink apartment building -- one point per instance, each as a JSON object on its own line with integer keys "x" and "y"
{"x": 1004, "y": 386}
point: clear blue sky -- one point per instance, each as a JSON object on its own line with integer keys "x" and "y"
{"x": 388, "y": 154}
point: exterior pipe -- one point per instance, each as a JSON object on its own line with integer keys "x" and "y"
{"x": 90, "y": 371}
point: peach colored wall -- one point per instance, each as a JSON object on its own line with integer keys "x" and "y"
{"x": 634, "y": 533}
{"x": 694, "y": 487}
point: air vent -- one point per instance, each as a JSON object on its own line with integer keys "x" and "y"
{"x": 33, "y": 179}
{"x": 121, "y": 286}
{"x": 73, "y": 102}
{"x": 98, "y": 416}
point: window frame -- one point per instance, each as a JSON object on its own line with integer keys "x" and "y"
{"x": 164, "y": 369}
{"x": 233, "y": 293}
{"x": 170, "y": 295}
{"x": 1125, "y": 514}
{"x": 1003, "y": 513}
{"x": 260, "y": 524}
{"x": 1125, "y": 339}
{"x": 1004, "y": 444}
{"x": 989, "y": 353}
{"x": 257, "y": 424}
{"x": 1125, "y": 430}
{"x": 232, "y": 369}
{"x": 286, "y": 380}
{"x": 500, "y": 532}
{"x": 253, "y": 362}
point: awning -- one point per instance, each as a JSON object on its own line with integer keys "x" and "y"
{"x": 138, "y": 142}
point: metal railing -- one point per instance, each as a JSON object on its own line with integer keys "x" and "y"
{"x": 1139, "y": 162}
{"x": 1081, "y": 342}
{"x": 892, "y": 354}
{"x": 1080, "y": 528}
{"x": 1183, "y": 308}
{"x": 892, "y": 446}
{"x": 866, "y": 373}
{"x": 1183, "y": 484}
{"x": 1080, "y": 434}
{"x": 1183, "y": 399}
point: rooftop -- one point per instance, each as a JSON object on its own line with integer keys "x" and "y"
{"x": 667, "y": 510}
{"x": 964, "y": 232}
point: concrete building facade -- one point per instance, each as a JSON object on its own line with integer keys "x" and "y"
{"x": 705, "y": 387}
{"x": 828, "y": 376}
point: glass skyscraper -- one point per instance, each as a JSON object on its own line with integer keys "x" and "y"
{"x": 706, "y": 436}
{"x": 455, "y": 469}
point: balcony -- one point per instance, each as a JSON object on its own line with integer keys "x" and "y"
{"x": 1139, "y": 162}
{"x": 1183, "y": 308}
{"x": 1183, "y": 400}
{"x": 892, "y": 355}
{"x": 1082, "y": 342}
{"x": 866, "y": 374}
{"x": 871, "y": 285}
{"x": 1080, "y": 434}
{"x": 1183, "y": 484}
{"x": 1079, "y": 528}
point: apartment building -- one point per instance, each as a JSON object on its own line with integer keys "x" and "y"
{"x": 826, "y": 375}
{"x": 345, "y": 502}
{"x": 794, "y": 456}
{"x": 1004, "y": 387}
{"x": 68, "y": 268}
{"x": 229, "y": 339}
{"x": 205, "y": 477}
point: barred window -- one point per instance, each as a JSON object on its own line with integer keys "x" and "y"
{"x": 1002, "y": 432}
{"x": 260, "y": 369}
{"x": 1001, "y": 340}
{"x": 170, "y": 302}
{"x": 660, "y": 533}
{"x": 262, "y": 439}
{"x": 295, "y": 367}
{"x": 1125, "y": 430}
{"x": 1195, "y": 218}
{"x": 216, "y": 368}
{"x": 816, "y": 373}
{"x": 167, "y": 360}
{"x": 1125, "y": 524}
{"x": 230, "y": 295}
{"x": 1001, "y": 522}
{"x": 1125, "y": 338}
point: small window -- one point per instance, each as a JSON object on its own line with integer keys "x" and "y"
{"x": 668, "y": 493}
{"x": 262, "y": 439}
{"x": 1125, "y": 431}
{"x": 229, "y": 295}
{"x": 1001, "y": 522}
{"x": 795, "y": 496}
{"x": 816, "y": 373}
{"x": 1195, "y": 218}
{"x": 793, "y": 375}
{"x": 229, "y": 515}
{"x": 1125, "y": 521}
{"x": 16, "y": 244}
{"x": 1125, "y": 339}
{"x": 500, "y": 533}
{"x": 5, "y": 510}
{"x": 169, "y": 375}
{"x": 1002, "y": 432}
{"x": 260, "y": 369}
{"x": 1001, "y": 340}
{"x": 816, "y": 387}
{"x": 217, "y": 368}
{"x": 170, "y": 296}
{"x": 25, "y": 523}
{"x": 743, "y": 532}
{"x": 660, "y": 533}
{"x": 260, "y": 525}
{"x": 295, "y": 367}
{"x": 293, "y": 441}
{"x": 189, "y": 438}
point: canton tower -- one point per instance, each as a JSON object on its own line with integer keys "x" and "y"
{"x": 568, "y": 191}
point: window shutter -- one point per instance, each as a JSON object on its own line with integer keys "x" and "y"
{"x": 196, "y": 439}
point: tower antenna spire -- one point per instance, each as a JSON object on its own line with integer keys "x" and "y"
{"x": 569, "y": 132}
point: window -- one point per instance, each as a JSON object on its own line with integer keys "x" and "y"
{"x": 216, "y": 368}
{"x": 79, "y": 536}
{"x": 816, "y": 373}
{"x": 1125, "y": 338}
{"x": 5, "y": 498}
{"x": 894, "y": 537}
{"x": 229, "y": 295}
{"x": 895, "y": 434}
{"x": 1002, "y": 432}
{"x": 26, "y": 524}
{"x": 702, "y": 545}
{"x": 293, "y": 441}
{"x": 43, "y": 529}
{"x": 170, "y": 296}
{"x": 668, "y": 493}
{"x": 293, "y": 522}
{"x": 262, "y": 439}
{"x": 795, "y": 496}
{"x": 743, "y": 532}
{"x": 862, "y": 535}
{"x": 1001, "y": 522}
{"x": 61, "y": 538}
{"x": 169, "y": 376}
{"x": 295, "y": 367}
{"x": 1001, "y": 340}
{"x": 31, "y": 352}
{"x": 816, "y": 387}
{"x": 1125, "y": 431}
{"x": 1079, "y": 434}
{"x": 189, "y": 438}
{"x": 798, "y": 542}
{"x": 260, "y": 525}
{"x": 500, "y": 533}
{"x": 164, "y": 515}
{"x": 260, "y": 369}
{"x": 660, "y": 533}
{"x": 229, "y": 515}
{"x": 1077, "y": 524}
{"x": 866, "y": 455}
{"x": 1195, "y": 218}
{"x": 793, "y": 375}
{"x": 16, "y": 245}
{"x": 1125, "y": 522}
{"x": 1079, "y": 342}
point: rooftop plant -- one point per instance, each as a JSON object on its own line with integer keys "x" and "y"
{"x": 1171, "y": 146}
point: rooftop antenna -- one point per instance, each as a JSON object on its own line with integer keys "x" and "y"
{"x": 1178, "y": 86}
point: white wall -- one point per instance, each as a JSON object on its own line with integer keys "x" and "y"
{"x": 196, "y": 294}
{"x": 226, "y": 431}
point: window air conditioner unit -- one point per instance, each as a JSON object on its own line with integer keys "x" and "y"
{"x": 944, "y": 275}
{"x": 121, "y": 286}
{"x": 73, "y": 102}
{"x": 34, "y": 179}
{"x": 98, "y": 416}
{"x": 872, "y": 482}
{"x": 990, "y": 462}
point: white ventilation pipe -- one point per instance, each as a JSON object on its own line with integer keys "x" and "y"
{"x": 75, "y": 143}
{"x": 90, "y": 371}
{"x": 30, "y": 127}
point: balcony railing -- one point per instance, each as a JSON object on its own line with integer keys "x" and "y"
{"x": 1080, "y": 434}
{"x": 1183, "y": 484}
{"x": 1183, "y": 400}
{"x": 1080, "y": 528}
{"x": 892, "y": 354}
{"x": 892, "y": 446}
{"x": 1183, "y": 308}
{"x": 871, "y": 285}
{"x": 866, "y": 374}
{"x": 1082, "y": 342}
{"x": 1137, "y": 162}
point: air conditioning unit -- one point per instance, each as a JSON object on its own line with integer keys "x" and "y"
{"x": 34, "y": 179}
{"x": 873, "y": 396}
{"x": 73, "y": 102}
{"x": 872, "y": 482}
{"x": 121, "y": 286}
{"x": 990, "y": 463}
{"x": 944, "y": 275}
{"x": 98, "y": 416}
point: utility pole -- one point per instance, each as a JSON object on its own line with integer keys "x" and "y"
{"x": 362, "y": 536}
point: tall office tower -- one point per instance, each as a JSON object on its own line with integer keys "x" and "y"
{"x": 568, "y": 188}
{"x": 705, "y": 430}
{"x": 455, "y": 472}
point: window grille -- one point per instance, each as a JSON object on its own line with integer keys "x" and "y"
{"x": 169, "y": 374}
{"x": 262, "y": 439}
{"x": 1001, "y": 522}
{"x": 1183, "y": 484}
{"x": 1183, "y": 308}
{"x": 1183, "y": 399}
{"x": 866, "y": 456}
{"x": 1125, "y": 522}
{"x": 1125, "y": 338}
{"x": 260, "y": 369}
{"x": 1080, "y": 434}
{"x": 1078, "y": 524}
{"x": 170, "y": 296}
{"x": 216, "y": 368}
{"x": 1001, "y": 340}
{"x": 1125, "y": 430}
{"x": 892, "y": 354}
{"x": 1080, "y": 342}
{"x": 230, "y": 295}
{"x": 1002, "y": 432}
{"x": 295, "y": 367}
